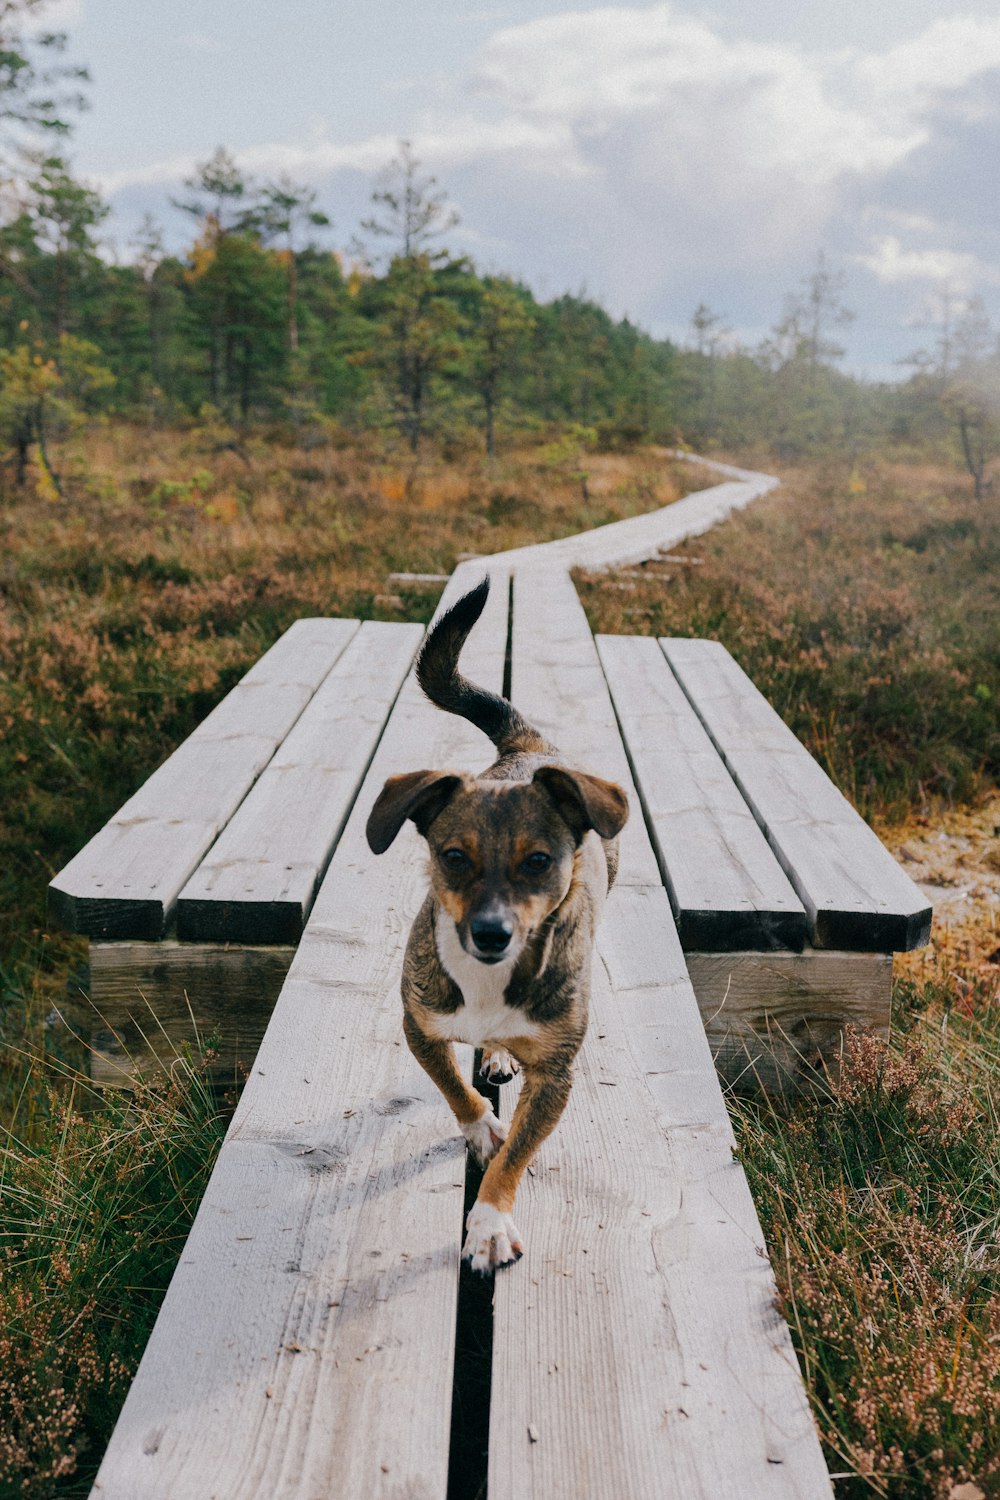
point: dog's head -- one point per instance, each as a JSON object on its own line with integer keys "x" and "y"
{"x": 502, "y": 852}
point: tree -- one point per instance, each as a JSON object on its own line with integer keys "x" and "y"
{"x": 284, "y": 208}
{"x": 971, "y": 395}
{"x": 709, "y": 332}
{"x": 40, "y": 397}
{"x": 410, "y": 214}
{"x": 65, "y": 213}
{"x": 220, "y": 192}
{"x": 237, "y": 299}
{"x": 417, "y": 334}
{"x": 236, "y": 286}
{"x": 497, "y": 333}
{"x": 35, "y": 93}
{"x": 804, "y": 333}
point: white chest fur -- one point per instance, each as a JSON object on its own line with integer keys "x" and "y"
{"x": 486, "y": 1017}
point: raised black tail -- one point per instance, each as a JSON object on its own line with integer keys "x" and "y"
{"x": 438, "y": 675}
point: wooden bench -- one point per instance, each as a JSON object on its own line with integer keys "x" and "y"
{"x": 306, "y": 1344}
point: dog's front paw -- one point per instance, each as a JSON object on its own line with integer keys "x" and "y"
{"x": 492, "y": 1239}
{"x": 485, "y": 1136}
{"x": 498, "y": 1066}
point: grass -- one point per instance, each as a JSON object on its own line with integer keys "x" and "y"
{"x": 867, "y": 607}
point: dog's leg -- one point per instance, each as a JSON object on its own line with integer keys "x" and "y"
{"x": 493, "y": 1239}
{"x": 478, "y": 1123}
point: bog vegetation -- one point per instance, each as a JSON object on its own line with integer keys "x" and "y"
{"x": 198, "y": 446}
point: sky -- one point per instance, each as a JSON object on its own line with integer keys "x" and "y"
{"x": 654, "y": 156}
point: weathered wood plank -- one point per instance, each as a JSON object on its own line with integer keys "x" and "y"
{"x": 637, "y": 1350}
{"x": 776, "y": 1020}
{"x": 148, "y": 998}
{"x": 257, "y": 882}
{"x": 726, "y": 888}
{"x": 856, "y": 895}
{"x": 305, "y": 1345}
{"x": 125, "y": 881}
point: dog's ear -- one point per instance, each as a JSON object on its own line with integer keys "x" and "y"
{"x": 419, "y": 795}
{"x": 585, "y": 801}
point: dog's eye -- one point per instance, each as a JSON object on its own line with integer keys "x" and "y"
{"x": 455, "y": 859}
{"x": 537, "y": 863}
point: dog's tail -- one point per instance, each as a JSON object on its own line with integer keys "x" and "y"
{"x": 438, "y": 675}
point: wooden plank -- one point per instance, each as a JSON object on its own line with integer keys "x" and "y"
{"x": 125, "y": 881}
{"x": 305, "y": 1345}
{"x": 257, "y": 882}
{"x": 726, "y": 888}
{"x": 637, "y": 1350}
{"x": 856, "y": 895}
{"x": 776, "y": 1020}
{"x": 150, "y": 1000}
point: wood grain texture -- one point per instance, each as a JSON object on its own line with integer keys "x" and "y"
{"x": 726, "y": 888}
{"x": 305, "y": 1345}
{"x": 776, "y": 1020}
{"x": 637, "y": 1350}
{"x": 854, "y": 892}
{"x": 257, "y": 882}
{"x": 150, "y": 1000}
{"x": 125, "y": 881}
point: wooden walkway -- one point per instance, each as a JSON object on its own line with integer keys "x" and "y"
{"x": 306, "y": 1344}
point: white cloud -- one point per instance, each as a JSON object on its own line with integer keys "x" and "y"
{"x": 892, "y": 263}
{"x": 949, "y": 55}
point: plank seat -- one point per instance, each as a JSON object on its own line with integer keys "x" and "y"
{"x": 725, "y": 885}
{"x": 257, "y": 882}
{"x": 855, "y": 894}
{"x": 125, "y": 882}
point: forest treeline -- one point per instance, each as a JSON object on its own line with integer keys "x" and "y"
{"x": 263, "y": 319}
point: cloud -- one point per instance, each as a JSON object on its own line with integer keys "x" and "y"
{"x": 891, "y": 263}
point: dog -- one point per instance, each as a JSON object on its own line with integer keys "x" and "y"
{"x": 521, "y": 860}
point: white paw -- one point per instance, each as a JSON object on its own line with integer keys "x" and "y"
{"x": 498, "y": 1065}
{"x": 485, "y": 1136}
{"x": 492, "y": 1239}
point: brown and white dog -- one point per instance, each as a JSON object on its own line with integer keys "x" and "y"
{"x": 521, "y": 859}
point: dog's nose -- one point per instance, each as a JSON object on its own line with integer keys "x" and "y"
{"x": 491, "y": 934}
